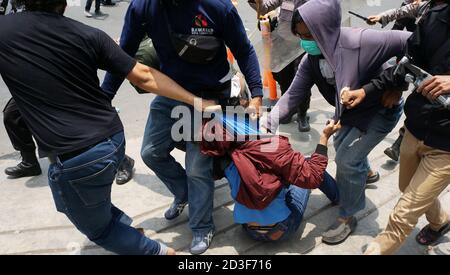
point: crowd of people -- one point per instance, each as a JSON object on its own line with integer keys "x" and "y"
{"x": 177, "y": 49}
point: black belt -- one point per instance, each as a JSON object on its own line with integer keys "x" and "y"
{"x": 69, "y": 155}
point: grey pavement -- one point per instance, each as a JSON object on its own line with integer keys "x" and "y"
{"x": 29, "y": 223}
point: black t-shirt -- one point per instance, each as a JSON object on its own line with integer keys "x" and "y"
{"x": 49, "y": 63}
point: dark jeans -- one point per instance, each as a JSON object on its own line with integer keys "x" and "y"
{"x": 352, "y": 165}
{"x": 81, "y": 188}
{"x": 17, "y": 130}
{"x": 297, "y": 200}
{"x": 285, "y": 78}
{"x": 195, "y": 184}
{"x": 89, "y": 5}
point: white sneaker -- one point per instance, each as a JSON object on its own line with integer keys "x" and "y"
{"x": 201, "y": 242}
{"x": 87, "y": 13}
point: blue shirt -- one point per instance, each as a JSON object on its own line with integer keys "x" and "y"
{"x": 276, "y": 211}
{"x": 218, "y": 18}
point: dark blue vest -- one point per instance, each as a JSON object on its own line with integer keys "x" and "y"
{"x": 205, "y": 17}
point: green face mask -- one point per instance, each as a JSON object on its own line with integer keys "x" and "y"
{"x": 310, "y": 47}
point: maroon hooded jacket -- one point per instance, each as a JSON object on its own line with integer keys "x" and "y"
{"x": 267, "y": 165}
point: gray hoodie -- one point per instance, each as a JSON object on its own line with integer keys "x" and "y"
{"x": 355, "y": 56}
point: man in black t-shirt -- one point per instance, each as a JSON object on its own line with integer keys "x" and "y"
{"x": 51, "y": 72}
{"x": 22, "y": 140}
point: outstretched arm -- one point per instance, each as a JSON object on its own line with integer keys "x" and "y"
{"x": 152, "y": 80}
{"x": 407, "y": 11}
{"x": 265, "y": 6}
{"x": 308, "y": 173}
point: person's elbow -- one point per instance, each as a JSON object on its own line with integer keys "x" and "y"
{"x": 143, "y": 77}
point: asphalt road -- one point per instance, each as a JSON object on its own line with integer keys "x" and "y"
{"x": 29, "y": 223}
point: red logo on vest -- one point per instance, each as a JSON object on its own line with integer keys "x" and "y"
{"x": 200, "y": 21}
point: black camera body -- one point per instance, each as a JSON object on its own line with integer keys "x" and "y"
{"x": 416, "y": 76}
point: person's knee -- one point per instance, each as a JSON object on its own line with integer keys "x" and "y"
{"x": 402, "y": 222}
{"x": 346, "y": 162}
{"x": 198, "y": 171}
{"x": 96, "y": 232}
{"x": 99, "y": 234}
{"x": 199, "y": 166}
{"x": 153, "y": 156}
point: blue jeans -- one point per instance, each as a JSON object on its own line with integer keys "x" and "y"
{"x": 297, "y": 200}
{"x": 195, "y": 184}
{"x": 352, "y": 166}
{"x": 81, "y": 188}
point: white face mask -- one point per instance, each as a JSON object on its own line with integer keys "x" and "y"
{"x": 327, "y": 71}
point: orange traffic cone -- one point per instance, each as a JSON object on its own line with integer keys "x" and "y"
{"x": 272, "y": 85}
{"x": 268, "y": 80}
{"x": 230, "y": 56}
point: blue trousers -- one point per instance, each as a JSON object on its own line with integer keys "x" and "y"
{"x": 81, "y": 188}
{"x": 194, "y": 184}
{"x": 352, "y": 148}
{"x": 297, "y": 200}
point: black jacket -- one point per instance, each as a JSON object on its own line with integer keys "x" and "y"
{"x": 429, "y": 48}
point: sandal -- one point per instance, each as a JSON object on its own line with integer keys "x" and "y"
{"x": 373, "y": 178}
{"x": 428, "y": 236}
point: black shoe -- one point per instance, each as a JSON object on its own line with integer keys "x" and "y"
{"x": 108, "y": 3}
{"x": 393, "y": 152}
{"x": 24, "y": 170}
{"x": 126, "y": 171}
{"x": 100, "y": 14}
{"x": 303, "y": 123}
